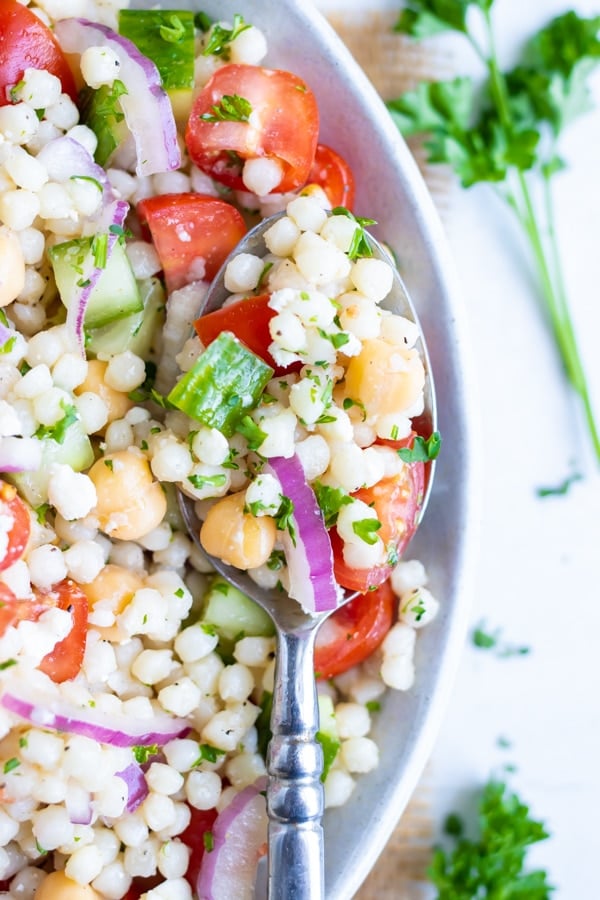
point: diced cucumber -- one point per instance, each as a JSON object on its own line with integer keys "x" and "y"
{"x": 167, "y": 38}
{"x": 136, "y": 332}
{"x": 327, "y": 735}
{"x": 75, "y": 451}
{"x": 101, "y": 111}
{"x": 233, "y": 614}
{"x": 225, "y": 382}
{"x": 116, "y": 293}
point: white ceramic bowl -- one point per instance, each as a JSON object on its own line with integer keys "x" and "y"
{"x": 390, "y": 190}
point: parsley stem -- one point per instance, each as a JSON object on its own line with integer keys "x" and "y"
{"x": 546, "y": 256}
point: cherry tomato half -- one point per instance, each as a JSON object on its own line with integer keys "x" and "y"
{"x": 64, "y": 661}
{"x": 201, "y": 822}
{"x": 354, "y": 631}
{"x": 284, "y": 125}
{"x": 396, "y": 502}
{"x": 192, "y": 233}
{"x": 26, "y": 43}
{"x": 12, "y": 508}
{"x": 331, "y": 172}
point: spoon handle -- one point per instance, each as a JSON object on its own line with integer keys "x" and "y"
{"x": 295, "y": 763}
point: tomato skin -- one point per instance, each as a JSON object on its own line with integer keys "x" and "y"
{"x": 64, "y": 661}
{"x": 202, "y": 821}
{"x": 354, "y": 631}
{"x": 212, "y": 229}
{"x": 285, "y": 125}
{"x": 18, "y": 535}
{"x": 26, "y": 43}
{"x": 331, "y": 172}
{"x": 397, "y": 502}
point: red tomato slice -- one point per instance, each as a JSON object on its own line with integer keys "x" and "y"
{"x": 331, "y": 172}
{"x": 26, "y": 43}
{"x": 284, "y": 125}
{"x": 354, "y": 631}
{"x": 396, "y": 503}
{"x": 193, "y": 234}
{"x": 202, "y": 821}
{"x": 249, "y": 320}
{"x": 64, "y": 662}
{"x": 17, "y": 534}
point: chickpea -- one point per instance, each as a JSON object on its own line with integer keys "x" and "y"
{"x": 238, "y": 538}
{"x": 384, "y": 377}
{"x": 58, "y": 887}
{"x": 12, "y": 266}
{"x": 114, "y": 586}
{"x": 117, "y": 403}
{"x": 130, "y": 503}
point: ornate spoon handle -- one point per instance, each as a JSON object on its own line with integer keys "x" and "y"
{"x": 295, "y": 763}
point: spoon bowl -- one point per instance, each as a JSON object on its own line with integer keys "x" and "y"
{"x": 294, "y": 758}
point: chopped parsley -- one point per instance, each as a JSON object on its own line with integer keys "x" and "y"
{"x": 560, "y": 489}
{"x": 360, "y": 245}
{"x": 248, "y": 428}
{"x": 174, "y": 32}
{"x": 220, "y": 37}
{"x": 201, "y": 481}
{"x": 143, "y": 752}
{"x": 484, "y": 639}
{"x": 7, "y": 664}
{"x": 422, "y": 449}
{"x": 492, "y": 862}
{"x": 366, "y": 530}
{"x": 58, "y": 431}
{"x": 11, "y": 764}
{"x": 230, "y": 108}
{"x": 330, "y": 501}
{"x": 8, "y": 344}
{"x": 284, "y": 518}
{"x": 208, "y": 753}
{"x": 208, "y": 840}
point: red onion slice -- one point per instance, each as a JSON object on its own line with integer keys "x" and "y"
{"x": 147, "y": 108}
{"x": 137, "y": 788}
{"x": 310, "y": 560}
{"x": 239, "y": 840}
{"x": 120, "y": 731}
{"x": 114, "y": 214}
{"x": 79, "y": 805}
{"x": 65, "y": 158}
{"x": 20, "y": 454}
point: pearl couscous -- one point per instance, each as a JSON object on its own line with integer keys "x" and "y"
{"x": 133, "y": 711}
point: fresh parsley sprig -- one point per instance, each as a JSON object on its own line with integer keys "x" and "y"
{"x": 508, "y": 133}
{"x": 492, "y": 863}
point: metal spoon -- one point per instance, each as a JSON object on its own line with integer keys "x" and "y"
{"x": 294, "y": 757}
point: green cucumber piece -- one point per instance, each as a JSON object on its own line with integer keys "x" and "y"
{"x": 75, "y": 451}
{"x": 136, "y": 332}
{"x": 233, "y": 614}
{"x": 166, "y": 37}
{"x": 115, "y": 295}
{"x": 101, "y": 111}
{"x": 327, "y": 735}
{"x": 225, "y": 382}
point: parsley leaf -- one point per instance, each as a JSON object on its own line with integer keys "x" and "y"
{"x": 492, "y": 863}
{"x": 507, "y": 134}
{"x": 230, "y": 108}
{"x": 58, "y": 431}
{"x": 422, "y": 450}
{"x": 143, "y": 752}
{"x": 366, "y": 530}
{"x": 220, "y": 37}
{"x": 360, "y": 243}
{"x": 202, "y": 481}
{"x": 284, "y": 518}
{"x": 330, "y": 500}
{"x": 254, "y": 435}
{"x": 174, "y": 31}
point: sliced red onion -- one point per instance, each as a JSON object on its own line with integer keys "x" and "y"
{"x": 114, "y": 214}
{"x": 239, "y": 840}
{"x": 147, "y": 108}
{"x": 6, "y": 334}
{"x": 120, "y": 731}
{"x": 19, "y": 454}
{"x": 310, "y": 559}
{"x": 65, "y": 158}
{"x": 137, "y": 788}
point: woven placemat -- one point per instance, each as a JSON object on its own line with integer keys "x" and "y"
{"x": 396, "y": 64}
